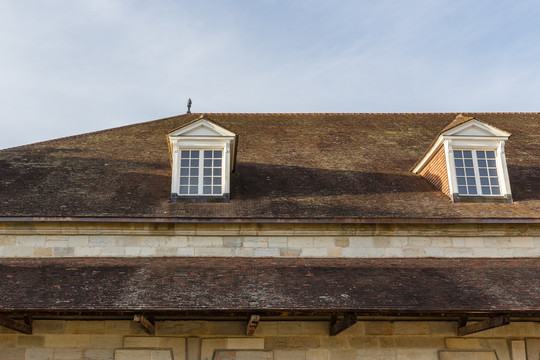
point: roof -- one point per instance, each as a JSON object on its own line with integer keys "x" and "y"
{"x": 320, "y": 167}
{"x": 269, "y": 285}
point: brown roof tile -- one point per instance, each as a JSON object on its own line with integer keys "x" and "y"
{"x": 246, "y": 284}
{"x": 289, "y": 166}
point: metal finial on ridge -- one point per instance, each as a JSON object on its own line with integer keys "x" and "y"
{"x": 189, "y": 102}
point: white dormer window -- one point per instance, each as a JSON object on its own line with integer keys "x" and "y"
{"x": 473, "y": 162}
{"x": 203, "y": 156}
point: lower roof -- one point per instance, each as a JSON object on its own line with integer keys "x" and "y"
{"x": 216, "y": 285}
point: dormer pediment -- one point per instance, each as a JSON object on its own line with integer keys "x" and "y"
{"x": 475, "y": 128}
{"x": 202, "y": 128}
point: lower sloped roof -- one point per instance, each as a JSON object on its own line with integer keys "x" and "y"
{"x": 267, "y": 285}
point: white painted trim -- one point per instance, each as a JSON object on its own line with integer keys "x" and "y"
{"x": 473, "y": 122}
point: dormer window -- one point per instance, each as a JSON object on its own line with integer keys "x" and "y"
{"x": 202, "y": 156}
{"x": 467, "y": 162}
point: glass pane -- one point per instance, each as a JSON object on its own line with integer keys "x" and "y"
{"x": 492, "y": 172}
{"x": 194, "y": 181}
{"x": 207, "y": 190}
{"x": 195, "y": 163}
{"x": 207, "y": 154}
{"x": 207, "y": 163}
{"x": 217, "y": 181}
{"x": 184, "y": 163}
{"x": 484, "y": 181}
{"x": 217, "y": 154}
{"x": 485, "y": 190}
{"x": 183, "y": 181}
{"x": 469, "y": 171}
{"x": 458, "y": 153}
{"x": 195, "y": 154}
{"x": 217, "y": 162}
{"x": 491, "y": 163}
{"x": 207, "y": 181}
{"x": 494, "y": 181}
{"x": 480, "y": 154}
{"x": 195, "y": 172}
{"x": 461, "y": 181}
{"x": 482, "y": 163}
{"x": 217, "y": 171}
{"x": 462, "y": 190}
{"x": 183, "y": 189}
{"x": 490, "y": 154}
{"x": 193, "y": 190}
{"x": 184, "y": 154}
{"x": 460, "y": 172}
{"x": 467, "y": 154}
{"x": 468, "y": 163}
{"x": 184, "y": 171}
{"x": 495, "y": 190}
{"x": 217, "y": 189}
{"x": 472, "y": 190}
{"x": 459, "y": 163}
{"x": 207, "y": 172}
{"x": 471, "y": 181}
{"x": 483, "y": 172}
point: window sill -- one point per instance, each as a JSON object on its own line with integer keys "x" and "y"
{"x": 175, "y": 198}
{"x": 506, "y": 199}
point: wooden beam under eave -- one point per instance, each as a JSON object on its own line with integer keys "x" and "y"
{"x": 19, "y": 326}
{"x": 252, "y": 324}
{"x": 484, "y": 325}
{"x": 337, "y": 326}
{"x": 144, "y": 323}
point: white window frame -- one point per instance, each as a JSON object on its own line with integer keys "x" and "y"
{"x": 476, "y": 169}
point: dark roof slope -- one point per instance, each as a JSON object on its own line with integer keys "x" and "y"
{"x": 289, "y": 166}
{"x": 175, "y": 285}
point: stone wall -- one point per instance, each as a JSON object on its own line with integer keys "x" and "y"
{"x": 273, "y": 340}
{"x": 268, "y": 240}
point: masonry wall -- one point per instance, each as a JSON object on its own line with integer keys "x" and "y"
{"x": 276, "y": 340}
{"x": 268, "y": 240}
{"x": 436, "y": 173}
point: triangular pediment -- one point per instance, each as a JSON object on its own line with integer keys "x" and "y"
{"x": 201, "y": 128}
{"x": 475, "y": 128}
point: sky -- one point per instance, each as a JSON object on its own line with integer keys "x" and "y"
{"x": 70, "y": 67}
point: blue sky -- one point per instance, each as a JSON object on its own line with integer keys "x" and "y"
{"x": 70, "y": 67}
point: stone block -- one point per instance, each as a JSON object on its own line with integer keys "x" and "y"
{"x": 314, "y": 328}
{"x": 346, "y": 355}
{"x": 219, "y": 251}
{"x": 208, "y": 346}
{"x": 42, "y": 252}
{"x": 229, "y": 328}
{"x": 30, "y": 340}
{"x": 48, "y": 327}
{"x": 185, "y": 328}
{"x": 290, "y": 355}
{"x": 177, "y": 345}
{"x": 467, "y": 355}
{"x": 324, "y": 242}
{"x": 98, "y": 354}
{"x": 76, "y": 241}
{"x": 289, "y": 328}
{"x": 364, "y": 342}
{"x": 277, "y": 241}
{"x": 255, "y": 242}
{"x": 411, "y": 328}
{"x": 67, "y": 354}
{"x": 84, "y": 251}
{"x": 39, "y": 354}
{"x": 245, "y": 343}
{"x": 522, "y": 242}
{"x": 13, "y": 354}
{"x": 379, "y": 327}
{"x": 288, "y": 252}
{"x": 67, "y": 341}
{"x": 232, "y": 241}
{"x": 441, "y": 242}
{"x": 106, "y": 341}
{"x": 314, "y": 252}
{"x": 266, "y": 328}
{"x": 518, "y": 350}
{"x": 318, "y": 354}
{"x": 185, "y": 252}
{"x": 299, "y": 242}
{"x": 442, "y": 328}
{"x": 85, "y": 327}
{"x": 276, "y": 342}
{"x": 419, "y": 342}
{"x": 356, "y": 242}
{"x": 416, "y": 354}
{"x": 266, "y": 252}
{"x": 141, "y": 342}
{"x": 8, "y": 340}
{"x": 335, "y": 252}
{"x": 161, "y": 355}
{"x": 205, "y": 241}
{"x": 303, "y": 342}
{"x": 130, "y": 354}
{"x": 253, "y": 355}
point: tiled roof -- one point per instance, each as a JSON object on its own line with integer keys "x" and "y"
{"x": 289, "y": 166}
{"x": 309, "y": 286}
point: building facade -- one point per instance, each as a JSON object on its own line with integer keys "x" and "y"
{"x": 275, "y": 236}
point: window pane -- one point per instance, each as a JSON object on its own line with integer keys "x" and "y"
{"x": 482, "y": 163}
{"x": 458, "y": 153}
{"x": 461, "y": 181}
{"x": 483, "y": 172}
{"x": 207, "y": 154}
{"x": 183, "y": 181}
{"x": 194, "y": 171}
{"x": 491, "y": 163}
{"x": 471, "y": 181}
{"x": 207, "y": 163}
{"x": 484, "y": 181}
{"x": 207, "y": 172}
{"x": 468, "y": 163}
{"x": 469, "y": 171}
{"x": 217, "y": 189}
{"x": 195, "y": 163}
{"x": 217, "y": 154}
{"x": 472, "y": 190}
{"x": 217, "y": 162}
{"x": 480, "y": 154}
{"x": 207, "y": 181}
{"x": 217, "y": 181}
{"x": 194, "y": 181}
{"x": 490, "y": 154}
{"x": 459, "y": 163}
{"x": 207, "y": 190}
{"x": 183, "y": 189}
{"x": 184, "y": 171}
{"x": 467, "y": 154}
{"x": 460, "y": 172}
{"x": 494, "y": 181}
{"x": 492, "y": 172}
{"x": 193, "y": 190}
{"x": 195, "y": 154}
{"x": 217, "y": 171}
{"x": 184, "y": 163}
{"x": 485, "y": 190}
{"x": 495, "y": 190}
